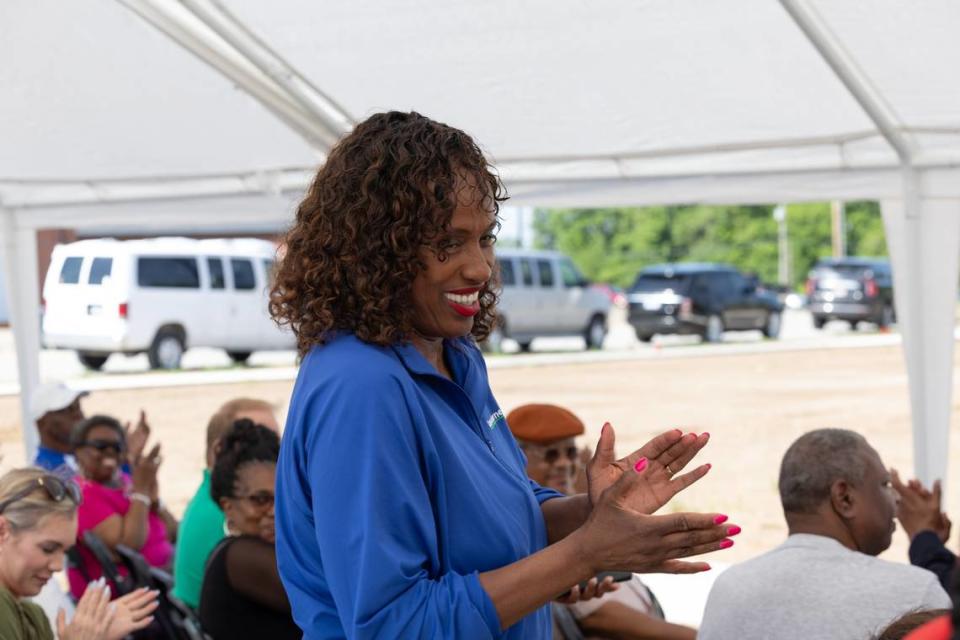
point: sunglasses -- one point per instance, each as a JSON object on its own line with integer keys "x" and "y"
{"x": 261, "y": 499}
{"x": 57, "y": 489}
{"x": 552, "y": 454}
{"x": 103, "y": 446}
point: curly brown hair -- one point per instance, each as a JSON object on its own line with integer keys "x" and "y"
{"x": 387, "y": 191}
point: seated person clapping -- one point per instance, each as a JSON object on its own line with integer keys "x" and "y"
{"x": 546, "y": 434}
{"x": 119, "y": 508}
{"x": 242, "y": 596}
{"x": 38, "y": 524}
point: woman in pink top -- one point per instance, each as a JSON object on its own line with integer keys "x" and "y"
{"x": 120, "y": 508}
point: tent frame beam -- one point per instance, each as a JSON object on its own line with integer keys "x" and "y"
{"x": 190, "y": 33}
{"x": 333, "y": 117}
{"x": 847, "y": 71}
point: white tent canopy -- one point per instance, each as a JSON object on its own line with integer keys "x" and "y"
{"x": 167, "y": 113}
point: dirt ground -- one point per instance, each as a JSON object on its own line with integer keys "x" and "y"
{"x": 753, "y": 406}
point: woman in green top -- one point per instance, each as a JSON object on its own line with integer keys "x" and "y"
{"x": 38, "y": 523}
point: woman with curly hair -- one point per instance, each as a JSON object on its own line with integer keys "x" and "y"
{"x": 403, "y": 510}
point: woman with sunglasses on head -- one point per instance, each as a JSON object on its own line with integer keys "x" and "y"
{"x": 119, "y": 508}
{"x": 38, "y": 524}
{"x": 242, "y": 596}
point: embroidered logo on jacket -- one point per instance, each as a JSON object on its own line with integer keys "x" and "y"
{"x": 495, "y": 418}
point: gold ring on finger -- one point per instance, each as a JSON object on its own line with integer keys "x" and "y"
{"x": 669, "y": 470}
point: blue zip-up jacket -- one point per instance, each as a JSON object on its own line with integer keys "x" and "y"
{"x": 396, "y": 487}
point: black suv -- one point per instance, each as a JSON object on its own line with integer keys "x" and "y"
{"x": 702, "y": 299}
{"x": 851, "y": 289}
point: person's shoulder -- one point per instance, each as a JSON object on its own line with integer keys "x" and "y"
{"x": 201, "y": 514}
{"x": 7, "y": 600}
{"x": 349, "y": 361}
{"x": 246, "y": 551}
{"x": 35, "y": 612}
{"x": 754, "y": 573}
{"x": 245, "y": 544}
{"x": 903, "y": 574}
{"x": 13, "y": 609}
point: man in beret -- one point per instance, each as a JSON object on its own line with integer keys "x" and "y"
{"x": 547, "y": 433}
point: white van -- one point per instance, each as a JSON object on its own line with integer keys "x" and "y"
{"x": 544, "y": 294}
{"x": 160, "y": 296}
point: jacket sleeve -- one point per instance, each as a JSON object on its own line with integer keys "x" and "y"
{"x": 928, "y": 552}
{"x": 374, "y": 523}
{"x": 543, "y": 493}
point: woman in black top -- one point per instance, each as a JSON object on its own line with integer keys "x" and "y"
{"x": 242, "y": 596}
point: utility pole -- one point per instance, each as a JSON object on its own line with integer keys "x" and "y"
{"x": 838, "y": 226}
{"x": 783, "y": 245}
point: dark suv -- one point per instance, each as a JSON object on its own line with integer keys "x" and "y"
{"x": 851, "y": 289}
{"x": 701, "y": 299}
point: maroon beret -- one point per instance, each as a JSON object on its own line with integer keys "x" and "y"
{"x": 543, "y": 423}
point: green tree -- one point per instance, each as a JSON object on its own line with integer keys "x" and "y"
{"x": 613, "y": 244}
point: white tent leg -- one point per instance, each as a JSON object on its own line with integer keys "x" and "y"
{"x": 19, "y": 248}
{"x": 923, "y": 236}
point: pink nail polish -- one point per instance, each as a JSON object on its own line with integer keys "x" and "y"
{"x": 726, "y": 544}
{"x": 720, "y": 519}
{"x": 705, "y": 433}
{"x": 708, "y": 466}
{"x": 734, "y": 530}
{"x": 641, "y": 465}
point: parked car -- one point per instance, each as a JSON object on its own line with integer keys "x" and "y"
{"x": 853, "y": 289}
{"x": 160, "y": 296}
{"x": 615, "y": 293}
{"x": 700, "y": 299}
{"x": 545, "y": 295}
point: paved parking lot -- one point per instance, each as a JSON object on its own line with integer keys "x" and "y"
{"x": 203, "y": 365}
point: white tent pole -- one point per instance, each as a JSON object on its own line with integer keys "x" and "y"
{"x": 219, "y": 19}
{"x": 923, "y": 236}
{"x": 19, "y": 248}
{"x": 247, "y": 77}
{"x": 850, "y": 75}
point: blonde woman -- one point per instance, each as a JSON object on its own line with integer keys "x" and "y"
{"x": 38, "y": 524}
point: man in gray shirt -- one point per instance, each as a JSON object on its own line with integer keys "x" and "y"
{"x": 824, "y": 581}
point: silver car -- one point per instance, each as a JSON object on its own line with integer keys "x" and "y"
{"x": 545, "y": 295}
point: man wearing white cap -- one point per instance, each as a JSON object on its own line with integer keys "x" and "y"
{"x": 55, "y": 408}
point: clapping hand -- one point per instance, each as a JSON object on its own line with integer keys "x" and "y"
{"x": 621, "y": 533}
{"x": 96, "y": 618}
{"x": 145, "y": 471}
{"x": 134, "y": 612}
{"x": 137, "y": 437}
{"x": 592, "y": 589}
{"x": 919, "y": 508}
{"x": 666, "y": 455}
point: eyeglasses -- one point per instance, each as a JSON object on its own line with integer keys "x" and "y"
{"x": 261, "y": 499}
{"x": 103, "y": 446}
{"x": 56, "y": 488}
{"x": 550, "y": 455}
